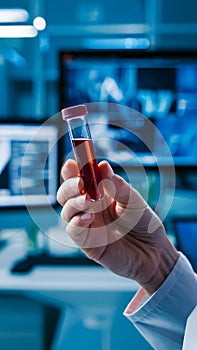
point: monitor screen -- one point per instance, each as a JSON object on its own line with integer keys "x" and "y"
{"x": 28, "y": 164}
{"x": 161, "y": 86}
{"x": 186, "y": 235}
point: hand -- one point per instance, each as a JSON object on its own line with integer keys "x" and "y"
{"x": 120, "y": 231}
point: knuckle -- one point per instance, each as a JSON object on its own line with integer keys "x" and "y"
{"x": 64, "y": 215}
{"x": 60, "y": 196}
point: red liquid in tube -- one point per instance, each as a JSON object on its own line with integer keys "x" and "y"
{"x": 88, "y": 166}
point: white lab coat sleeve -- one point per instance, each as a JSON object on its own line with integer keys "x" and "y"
{"x": 162, "y": 318}
{"x": 190, "y": 338}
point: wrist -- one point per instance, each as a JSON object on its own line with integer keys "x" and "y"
{"x": 167, "y": 258}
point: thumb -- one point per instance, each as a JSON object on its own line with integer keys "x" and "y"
{"x": 136, "y": 209}
{"x": 124, "y": 193}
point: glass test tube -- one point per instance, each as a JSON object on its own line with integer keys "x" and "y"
{"x": 83, "y": 148}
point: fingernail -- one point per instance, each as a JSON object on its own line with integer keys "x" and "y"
{"x": 81, "y": 201}
{"x": 86, "y": 216}
{"x": 74, "y": 183}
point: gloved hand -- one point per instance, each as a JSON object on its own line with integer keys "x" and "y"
{"x": 120, "y": 231}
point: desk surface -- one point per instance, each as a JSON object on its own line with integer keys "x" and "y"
{"x": 56, "y": 278}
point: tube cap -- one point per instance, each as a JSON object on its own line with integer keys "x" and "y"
{"x": 74, "y": 111}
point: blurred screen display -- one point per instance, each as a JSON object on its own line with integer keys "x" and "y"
{"x": 28, "y": 164}
{"x": 186, "y": 234}
{"x": 163, "y": 87}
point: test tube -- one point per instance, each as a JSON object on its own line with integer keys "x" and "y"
{"x": 83, "y": 148}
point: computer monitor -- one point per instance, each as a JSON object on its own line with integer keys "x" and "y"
{"x": 160, "y": 85}
{"x": 185, "y": 229}
{"x": 29, "y": 166}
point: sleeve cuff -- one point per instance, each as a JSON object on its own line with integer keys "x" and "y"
{"x": 181, "y": 267}
{"x": 135, "y": 302}
{"x": 163, "y": 316}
